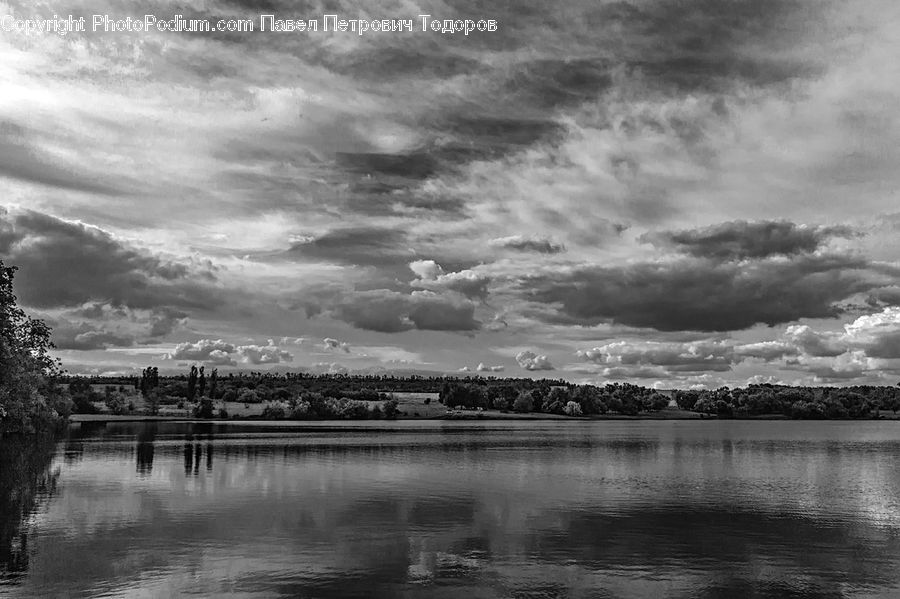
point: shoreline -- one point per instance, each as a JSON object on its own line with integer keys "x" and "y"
{"x": 92, "y": 418}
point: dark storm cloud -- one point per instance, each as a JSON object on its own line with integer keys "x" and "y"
{"x": 740, "y": 240}
{"x": 703, "y": 295}
{"x": 362, "y": 246}
{"x": 388, "y": 311}
{"x": 84, "y": 336}
{"x": 888, "y": 295}
{"x": 164, "y": 320}
{"x": 71, "y": 264}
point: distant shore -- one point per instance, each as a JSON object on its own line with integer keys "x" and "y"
{"x": 670, "y": 414}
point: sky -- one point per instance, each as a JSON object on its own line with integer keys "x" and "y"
{"x": 688, "y": 193}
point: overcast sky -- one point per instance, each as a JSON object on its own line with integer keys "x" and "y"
{"x": 672, "y": 193}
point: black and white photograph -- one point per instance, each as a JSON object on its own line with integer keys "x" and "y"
{"x": 510, "y": 299}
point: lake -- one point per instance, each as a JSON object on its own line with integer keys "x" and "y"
{"x": 600, "y": 509}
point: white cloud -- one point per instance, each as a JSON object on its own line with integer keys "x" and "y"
{"x": 331, "y": 344}
{"x": 532, "y": 361}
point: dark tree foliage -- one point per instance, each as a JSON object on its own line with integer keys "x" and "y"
{"x": 192, "y": 384}
{"x": 30, "y": 397}
{"x": 214, "y": 384}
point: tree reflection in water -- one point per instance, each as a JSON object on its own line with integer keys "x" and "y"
{"x": 26, "y": 485}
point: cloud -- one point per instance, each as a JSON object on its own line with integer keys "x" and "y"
{"x": 698, "y": 356}
{"x": 263, "y": 354}
{"x": 205, "y": 350}
{"x": 466, "y": 282}
{"x": 702, "y": 295}
{"x": 69, "y": 264}
{"x": 767, "y": 350}
{"x": 815, "y": 343}
{"x": 164, "y": 320}
{"x": 333, "y": 344}
{"x": 878, "y": 335}
{"x": 362, "y": 246}
{"x": 740, "y": 240}
{"x": 222, "y": 353}
{"x": 482, "y": 367}
{"x": 528, "y": 244}
{"x": 388, "y": 311}
{"x": 83, "y": 337}
{"x": 426, "y": 269}
{"x": 531, "y": 361}
{"x": 22, "y": 159}
{"x": 330, "y": 368}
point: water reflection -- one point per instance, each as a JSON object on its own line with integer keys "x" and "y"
{"x": 601, "y": 510}
{"x": 26, "y": 484}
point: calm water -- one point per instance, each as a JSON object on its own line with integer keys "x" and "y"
{"x": 433, "y": 509}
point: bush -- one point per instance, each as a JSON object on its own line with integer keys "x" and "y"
{"x": 274, "y": 411}
{"x": 117, "y": 403}
{"x": 248, "y": 396}
{"x": 204, "y": 408}
{"x": 391, "y": 409}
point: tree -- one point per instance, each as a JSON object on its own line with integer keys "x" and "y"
{"x": 201, "y": 382}
{"x": 524, "y": 402}
{"x": 30, "y": 397}
{"x": 213, "y": 382}
{"x": 192, "y": 384}
{"x": 572, "y": 409}
{"x": 391, "y": 409}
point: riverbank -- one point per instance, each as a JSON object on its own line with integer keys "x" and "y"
{"x": 667, "y": 414}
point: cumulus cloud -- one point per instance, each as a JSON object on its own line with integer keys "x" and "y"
{"x": 815, "y": 343}
{"x": 482, "y": 367}
{"x": 696, "y": 356}
{"x": 427, "y": 270}
{"x": 528, "y": 244}
{"x": 330, "y": 368}
{"x": 878, "y": 335}
{"x": 531, "y": 361}
{"x": 465, "y": 282}
{"x": 263, "y": 354}
{"x": 205, "y": 350}
{"x": 331, "y": 344}
{"x": 222, "y": 353}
